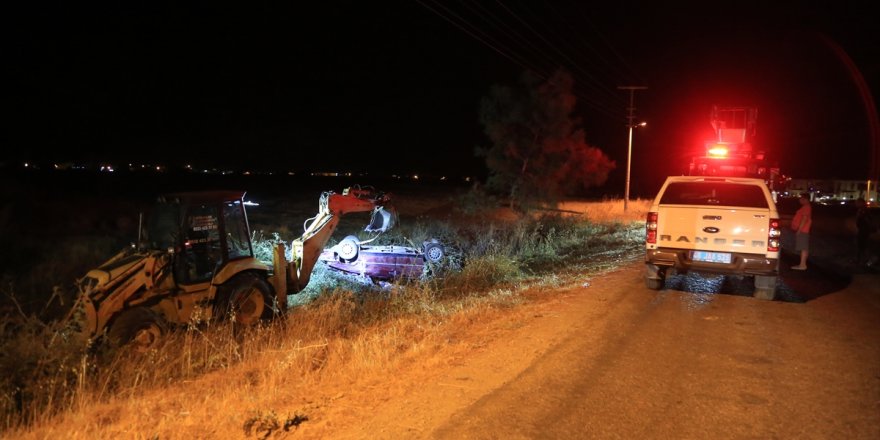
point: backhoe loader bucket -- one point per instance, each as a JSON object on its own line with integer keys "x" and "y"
{"x": 382, "y": 220}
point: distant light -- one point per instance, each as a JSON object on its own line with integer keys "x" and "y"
{"x": 250, "y": 203}
{"x": 26, "y": 164}
{"x": 415, "y": 177}
{"x": 443, "y": 178}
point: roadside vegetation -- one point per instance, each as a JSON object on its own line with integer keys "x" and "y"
{"x": 340, "y": 331}
{"x": 340, "y": 328}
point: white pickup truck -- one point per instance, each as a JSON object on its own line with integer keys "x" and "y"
{"x": 717, "y": 225}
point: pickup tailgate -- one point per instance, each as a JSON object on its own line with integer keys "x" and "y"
{"x": 715, "y": 229}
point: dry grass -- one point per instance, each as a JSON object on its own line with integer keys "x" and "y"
{"x": 209, "y": 382}
{"x": 608, "y": 211}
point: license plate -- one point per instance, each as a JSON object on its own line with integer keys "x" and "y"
{"x": 711, "y": 257}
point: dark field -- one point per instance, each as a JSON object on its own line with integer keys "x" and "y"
{"x": 55, "y": 226}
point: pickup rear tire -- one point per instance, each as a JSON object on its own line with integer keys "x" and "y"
{"x": 654, "y": 284}
{"x": 655, "y": 277}
{"x": 765, "y": 287}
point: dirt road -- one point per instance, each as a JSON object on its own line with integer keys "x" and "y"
{"x": 612, "y": 359}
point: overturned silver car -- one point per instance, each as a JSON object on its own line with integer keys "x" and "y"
{"x": 381, "y": 262}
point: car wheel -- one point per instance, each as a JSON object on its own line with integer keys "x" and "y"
{"x": 434, "y": 252}
{"x": 348, "y": 249}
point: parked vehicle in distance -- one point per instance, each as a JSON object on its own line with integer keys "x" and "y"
{"x": 718, "y": 225}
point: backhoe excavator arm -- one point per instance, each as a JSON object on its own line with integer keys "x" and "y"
{"x": 318, "y": 229}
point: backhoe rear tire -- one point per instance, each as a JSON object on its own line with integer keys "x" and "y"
{"x": 140, "y": 328}
{"x": 246, "y": 299}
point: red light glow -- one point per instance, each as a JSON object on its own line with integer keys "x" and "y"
{"x": 718, "y": 151}
{"x": 651, "y": 228}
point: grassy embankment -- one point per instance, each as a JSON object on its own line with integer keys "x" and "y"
{"x": 345, "y": 331}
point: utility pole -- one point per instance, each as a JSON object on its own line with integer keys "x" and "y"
{"x": 629, "y": 124}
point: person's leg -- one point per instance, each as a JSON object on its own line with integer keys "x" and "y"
{"x": 802, "y": 245}
{"x": 862, "y": 247}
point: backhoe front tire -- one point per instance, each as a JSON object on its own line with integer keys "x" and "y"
{"x": 247, "y": 299}
{"x": 139, "y": 328}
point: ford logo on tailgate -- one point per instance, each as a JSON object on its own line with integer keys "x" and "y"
{"x": 710, "y": 229}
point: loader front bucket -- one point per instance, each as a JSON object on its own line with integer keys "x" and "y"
{"x": 382, "y": 220}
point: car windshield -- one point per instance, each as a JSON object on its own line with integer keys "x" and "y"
{"x": 714, "y": 194}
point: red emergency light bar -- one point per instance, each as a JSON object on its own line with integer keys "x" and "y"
{"x": 718, "y": 151}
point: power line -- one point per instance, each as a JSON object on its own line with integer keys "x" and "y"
{"x": 591, "y": 84}
{"x": 493, "y": 43}
{"x": 599, "y": 88}
{"x": 610, "y": 47}
{"x": 478, "y": 38}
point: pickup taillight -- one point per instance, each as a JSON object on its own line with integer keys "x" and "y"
{"x": 774, "y": 235}
{"x": 651, "y": 228}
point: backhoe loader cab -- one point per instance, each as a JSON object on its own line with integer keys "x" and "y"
{"x": 204, "y": 231}
{"x": 195, "y": 263}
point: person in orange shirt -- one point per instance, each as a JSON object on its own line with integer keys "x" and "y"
{"x": 801, "y": 223}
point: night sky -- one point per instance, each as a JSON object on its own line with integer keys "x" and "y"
{"x": 395, "y": 86}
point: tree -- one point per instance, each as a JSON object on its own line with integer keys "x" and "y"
{"x": 538, "y": 150}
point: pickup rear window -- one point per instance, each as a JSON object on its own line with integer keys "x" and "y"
{"x": 714, "y": 193}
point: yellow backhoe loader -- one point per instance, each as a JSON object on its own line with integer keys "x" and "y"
{"x": 195, "y": 262}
